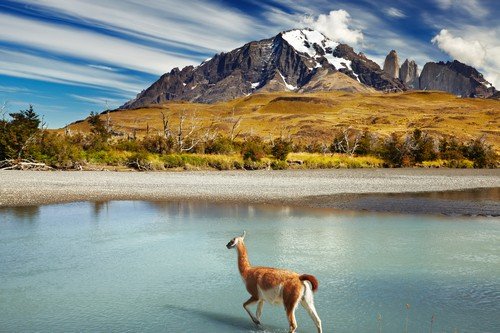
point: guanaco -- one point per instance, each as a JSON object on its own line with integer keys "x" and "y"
{"x": 275, "y": 286}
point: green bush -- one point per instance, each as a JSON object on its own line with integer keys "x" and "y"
{"x": 221, "y": 145}
{"x": 158, "y": 144}
{"x": 281, "y": 149}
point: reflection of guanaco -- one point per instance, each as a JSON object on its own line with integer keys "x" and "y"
{"x": 275, "y": 286}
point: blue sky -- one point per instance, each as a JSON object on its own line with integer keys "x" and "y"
{"x": 70, "y": 57}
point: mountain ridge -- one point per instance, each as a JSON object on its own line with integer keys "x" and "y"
{"x": 296, "y": 60}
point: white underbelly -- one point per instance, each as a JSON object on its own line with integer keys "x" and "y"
{"x": 272, "y": 295}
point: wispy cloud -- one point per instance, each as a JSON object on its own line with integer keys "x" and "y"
{"x": 394, "y": 12}
{"x": 88, "y": 45}
{"x": 13, "y": 90}
{"x": 20, "y": 64}
{"x": 194, "y": 24}
{"x": 472, "y": 7}
{"x": 101, "y": 101}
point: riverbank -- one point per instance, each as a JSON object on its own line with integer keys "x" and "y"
{"x": 436, "y": 191}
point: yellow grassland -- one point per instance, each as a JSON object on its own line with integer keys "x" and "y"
{"x": 314, "y": 116}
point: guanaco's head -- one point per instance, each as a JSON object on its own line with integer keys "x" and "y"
{"x": 233, "y": 242}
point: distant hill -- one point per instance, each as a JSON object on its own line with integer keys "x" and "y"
{"x": 314, "y": 116}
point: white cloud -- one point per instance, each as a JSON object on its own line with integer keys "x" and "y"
{"x": 337, "y": 26}
{"x": 394, "y": 12}
{"x": 468, "y": 51}
{"x": 475, "y": 47}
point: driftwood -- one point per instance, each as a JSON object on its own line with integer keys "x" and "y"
{"x": 23, "y": 165}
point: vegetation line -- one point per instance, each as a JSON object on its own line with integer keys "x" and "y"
{"x": 25, "y": 143}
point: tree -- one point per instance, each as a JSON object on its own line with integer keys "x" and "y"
{"x": 98, "y": 127}
{"x": 19, "y": 134}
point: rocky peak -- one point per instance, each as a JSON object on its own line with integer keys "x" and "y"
{"x": 408, "y": 73}
{"x": 456, "y": 78}
{"x": 391, "y": 64}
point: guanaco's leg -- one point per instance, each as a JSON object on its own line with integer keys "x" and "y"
{"x": 292, "y": 293}
{"x": 308, "y": 304}
{"x": 290, "y": 313}
{"x": 250, "y": 301}
{"x": 259, "y": 310}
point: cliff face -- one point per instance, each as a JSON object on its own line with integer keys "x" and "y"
{"x": 288, "y": 61}
{"x": 391, "y": 64}
{"x": 408, "y": 73}
{"x": 456, "y": 78}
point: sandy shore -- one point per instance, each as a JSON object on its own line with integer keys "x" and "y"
{"x": 445, "y": 191}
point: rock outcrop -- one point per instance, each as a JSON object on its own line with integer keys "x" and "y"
{"x": 288, "y": 61}
{"x": 408, "y": 73}
{"x": 456, "y": 78}
{"x": 391, "y": 64}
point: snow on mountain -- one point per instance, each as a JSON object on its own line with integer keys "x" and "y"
{"x": 315, "y": 45}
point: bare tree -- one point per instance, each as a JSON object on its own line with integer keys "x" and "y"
{"x": 165, "y": 122}
{"x": 346, "y": 141}
{"x": 190, "y": 131}
{"x": 108, "y": 118}
{"x": 3, "y": 110}
{"x": 235, "y": 124}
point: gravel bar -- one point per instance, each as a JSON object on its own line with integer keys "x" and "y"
{"x": 357, "y": 189}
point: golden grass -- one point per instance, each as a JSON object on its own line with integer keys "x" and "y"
{"x": 314, "y": 116}
{"x": 335, "y": 161}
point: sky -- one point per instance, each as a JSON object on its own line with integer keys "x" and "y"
{"x": 70, "y": 57}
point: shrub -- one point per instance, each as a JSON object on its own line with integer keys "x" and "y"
{"x": 253, "y": 149}
{"x": 481, "y": 153}
{"x": 56, "y": 151}
{"x": 281, "y": 149}
{"x": 393, "y": 151}
{"x": 421, "y": 147}
{"x": 220, "y": 145}
{"x": 158, "y": 144}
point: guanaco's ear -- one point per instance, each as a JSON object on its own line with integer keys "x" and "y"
{"x": 243, "y": 235}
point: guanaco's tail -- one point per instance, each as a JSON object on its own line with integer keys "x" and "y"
{"x": 311, "y": 279}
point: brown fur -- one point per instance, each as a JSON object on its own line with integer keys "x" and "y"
{"x": 267, "y": 277}
{"x": 312, "y": 279}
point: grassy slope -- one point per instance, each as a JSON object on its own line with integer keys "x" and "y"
{"x": 315, "y": 115}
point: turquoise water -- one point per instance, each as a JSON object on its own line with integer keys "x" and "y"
{"x": 164, "y": 267}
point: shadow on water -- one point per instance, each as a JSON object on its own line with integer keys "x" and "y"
{"x": 23, "y": 213}
{"x": 229, "y": 321}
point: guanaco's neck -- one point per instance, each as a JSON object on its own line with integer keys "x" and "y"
{"x": 243, "y": 263}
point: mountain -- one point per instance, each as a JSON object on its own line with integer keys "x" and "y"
{"x": 295, "y": 60}
{"x": 408, "y": 73}
{"x": 456, "y": 78}
{"x": 305, "y": 61}
{"x": 391, "y": 64}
